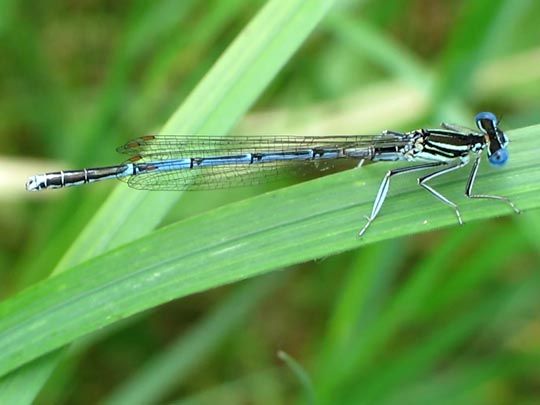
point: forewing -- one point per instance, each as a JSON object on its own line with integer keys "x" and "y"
{"x": 150, "y": 149}
{"x": 173, "y": 146}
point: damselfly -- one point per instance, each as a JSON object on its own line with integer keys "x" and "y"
{"x": 165, "y": 162}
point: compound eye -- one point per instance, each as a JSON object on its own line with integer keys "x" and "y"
{"x": 486, "y": 115}
{"x": 499, "y": 157}
{"x": 486, "y": 122}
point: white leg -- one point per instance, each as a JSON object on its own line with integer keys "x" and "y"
{"x": 385, "y": 185}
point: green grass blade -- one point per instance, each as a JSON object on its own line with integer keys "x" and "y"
{"x": 301, "y": 375}
{"x": 360, "y": 307}
{"x": 401, "y": 308}
{"x": 499, "y": 246}
{"x": 155, "y": 379}
{"x": 263, "y": 387}
{"x": 416, "y": 361}
{"x": 465, "y": 382}
{"x": 241, "y": 240}
{"x": 227, "y": 91}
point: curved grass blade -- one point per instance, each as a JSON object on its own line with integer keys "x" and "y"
{"x": 241, "y": 240}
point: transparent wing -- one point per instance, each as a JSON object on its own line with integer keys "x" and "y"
{"x": 226, "y": 176}
{"x": 173, "y": 146}
{"x": 150, "y": 149}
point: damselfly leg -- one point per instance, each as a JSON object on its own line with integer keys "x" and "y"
{"x": 422, "y": 181}
{"x": 470, "y": 185}
{"x": 385, "y": 185}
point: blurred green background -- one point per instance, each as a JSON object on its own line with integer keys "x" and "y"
{"x": 449, "y": 316}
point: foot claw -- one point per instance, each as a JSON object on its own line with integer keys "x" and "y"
{"x": 516, "y": 209}
{"x": 366, "y": 226}
{"x": 458, "y": 214}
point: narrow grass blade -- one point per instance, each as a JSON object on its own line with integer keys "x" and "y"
{"x": 302, "y": 376}
{"x": 417, "y": 360}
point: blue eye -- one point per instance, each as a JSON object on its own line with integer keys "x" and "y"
{"x": 499, "y": 157}
{"x": 486, "y": 122}
{"x": 486, "y": 115}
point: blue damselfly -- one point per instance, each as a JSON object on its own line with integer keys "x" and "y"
{"x": 167, "y": 162}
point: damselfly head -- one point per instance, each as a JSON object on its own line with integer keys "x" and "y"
{"x": 488, "y": 123}
{"x": 486, "y": 120}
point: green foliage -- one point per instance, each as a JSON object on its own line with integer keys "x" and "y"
{"x": 418, "y": 310}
